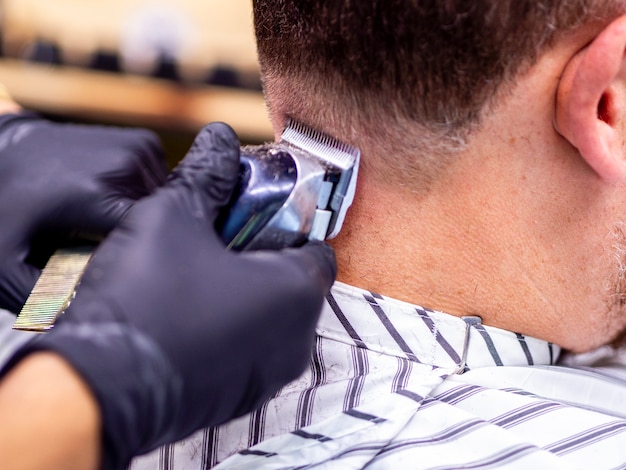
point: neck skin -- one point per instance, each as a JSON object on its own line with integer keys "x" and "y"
{"x": 515, "y": 230}
{"x": 496, "y": 238}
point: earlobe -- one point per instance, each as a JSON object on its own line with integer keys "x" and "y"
{"x": 587, "y": 105}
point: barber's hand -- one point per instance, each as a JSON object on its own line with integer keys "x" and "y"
{"x": 172, "y": 331}
{"x": 61, "y": 182}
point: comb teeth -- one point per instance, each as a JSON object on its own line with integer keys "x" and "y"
{"x": 320, "y": 144}
{"x": 54, "y": 290}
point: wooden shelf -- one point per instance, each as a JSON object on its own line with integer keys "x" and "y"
{"x": 134, "y": 100}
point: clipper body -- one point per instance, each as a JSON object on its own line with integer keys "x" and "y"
{"x": 296, "y": 189}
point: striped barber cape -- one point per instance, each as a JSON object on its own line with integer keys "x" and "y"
{"x": 393, "y": 385}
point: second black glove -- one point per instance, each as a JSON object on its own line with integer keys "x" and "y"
{"x": 172, "y": 331}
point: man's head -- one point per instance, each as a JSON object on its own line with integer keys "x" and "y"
{"x": 375, "y": 70}
{"x": 492, "y": 133}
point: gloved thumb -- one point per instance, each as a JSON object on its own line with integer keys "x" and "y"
{"x": 306, "y": 272}
{"x": 318, "y": 259}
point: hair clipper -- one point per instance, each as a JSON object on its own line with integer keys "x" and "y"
{"x": 296, "y": 189}
{"x": 288, "y": 192}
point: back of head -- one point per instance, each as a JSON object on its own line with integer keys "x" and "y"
{"x": 404, "y": 77}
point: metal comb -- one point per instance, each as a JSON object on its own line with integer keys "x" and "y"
{"x": 54, "y": 290}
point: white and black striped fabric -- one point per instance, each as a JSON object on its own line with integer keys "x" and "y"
{"x": 392, "y": 385}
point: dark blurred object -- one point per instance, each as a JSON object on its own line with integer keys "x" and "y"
{"x": 42, "y": 51}
{"x": 169, "y": 65}
{"x": 181, "y": 40}
{"x": 106, "y": 61}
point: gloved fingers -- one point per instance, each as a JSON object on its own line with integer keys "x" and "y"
{"x": 129, "y": 162}
{"x": 6, "y": 120}
{"x": 14, "y": 290}
{"x": 212, "y": 166}
{"x": 148, "y": 172}
{"x": 97, "y": 224}
{"x": 121, "y": 166}
{"x": 151, "y": 160}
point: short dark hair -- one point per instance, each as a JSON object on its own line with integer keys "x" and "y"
{"x": 436, "y": 63}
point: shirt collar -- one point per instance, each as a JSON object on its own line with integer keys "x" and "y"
{"x": 389, "y": 326}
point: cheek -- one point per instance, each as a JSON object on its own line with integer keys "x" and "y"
{"x": 595, "y": 313}
{"x": 616, "y": 279}
{"x": 614, "y": 320}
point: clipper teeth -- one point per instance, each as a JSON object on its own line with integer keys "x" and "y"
{"x": 54, "y": 290}
{"x": 320, "y": 144}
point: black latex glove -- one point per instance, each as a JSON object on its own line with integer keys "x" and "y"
{"x": 61, "y": 182}
{"x": 173, "y": 332}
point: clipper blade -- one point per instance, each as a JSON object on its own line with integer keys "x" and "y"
{"x": 54, "y": 290}
{"x": 322, "y": 145}
{"x": 332, "y": 152}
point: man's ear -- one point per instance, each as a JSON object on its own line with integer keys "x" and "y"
{"x": 588, "y": 102}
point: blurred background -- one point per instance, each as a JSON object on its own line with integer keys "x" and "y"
{"x": 169, "y": 65}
